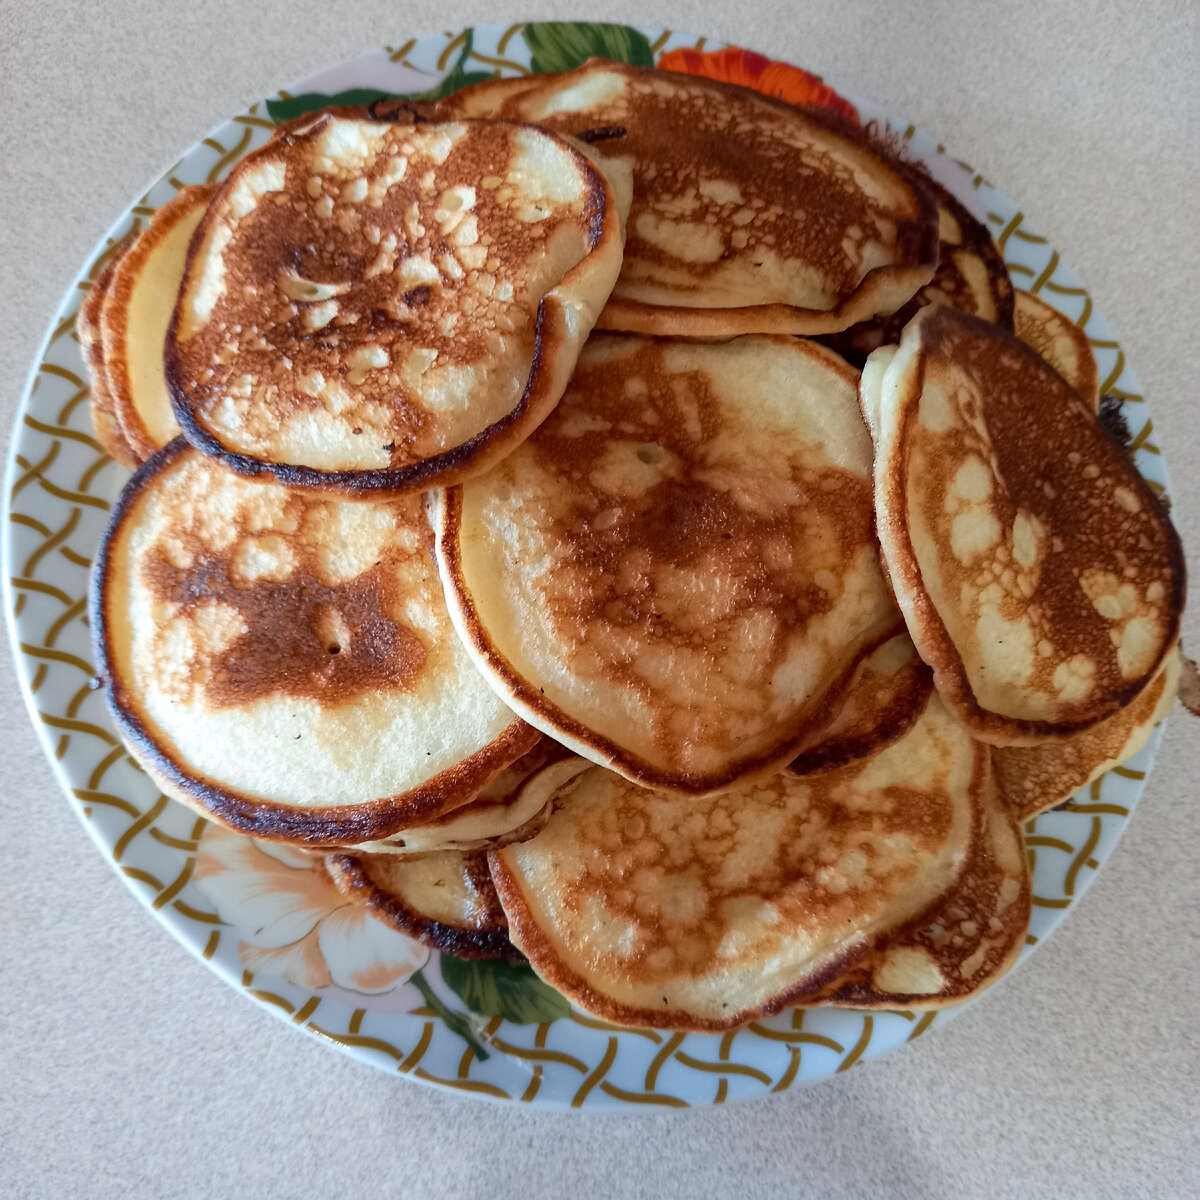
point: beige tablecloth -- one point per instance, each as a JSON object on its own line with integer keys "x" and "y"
{"x": 126, "y": 1069}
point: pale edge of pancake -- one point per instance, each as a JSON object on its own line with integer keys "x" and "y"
{"x": 345, "y": 825}
{"x": 566, "y": 315}
{"x": 115, "y": 318}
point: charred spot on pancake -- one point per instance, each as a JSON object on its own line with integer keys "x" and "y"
{"x": 601, "y": 133}
{"x": 1113, "y": 422}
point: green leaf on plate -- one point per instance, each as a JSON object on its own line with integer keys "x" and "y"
{"x": 494, "y": 988}
{"x": 561, "y": 45}
{"x": 458, "y": 77}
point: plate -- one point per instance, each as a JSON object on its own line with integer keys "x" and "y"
{"x": 260, "y": 916}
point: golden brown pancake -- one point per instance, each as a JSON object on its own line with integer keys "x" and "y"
{"x": 964, "y": 941}
{"x": 372, "y": 307}
{"x": 678, "y": 570}
{"x": 1034, "y": 778}
{"x": 683, "y": 913}
{"x": 283, "y": 661}
{"x": 970, "y": 276}
{"x": 749, "y": 215}
{"x": 446, "y": 900}
{"x": 1039, "y": 575}
{"x": 104, "y": 420}
{"x": 884, "y": 699}
{"x": 1061, "y": 342}
{"x": 133, "y": 321}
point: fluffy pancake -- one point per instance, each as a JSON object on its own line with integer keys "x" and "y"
{"x": 503, "y": 812}
{"x": 1061, "y": 342}
{"x": 1034, "y": 778}
{"x": 964, "y": 941}
{"x": 1039, "y": 575}
{"x": 678, "y": 568}
{"x": 684, "y": 913}
{"x": 749, "y": 215}
{"x": 885, "y": 697}
{"x": 445, "y": 900}
{"x": 970, "y": 276}
{"x": 283, "y": 661}
{"x": 137, "y": 310}
{"x": 373, "y": 307}
{"x": 100, "y": 402}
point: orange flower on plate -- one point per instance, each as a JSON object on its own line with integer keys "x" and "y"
{"x": 756, "y": 71}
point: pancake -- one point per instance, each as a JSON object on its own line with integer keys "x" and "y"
{"x": 964, "y": 941}
{"x": 100, "y": 399}
{"x": 283, "y": 661}
{"x": 500, "y": 814}
{"x": 373, "y": 308}
{"x": 677, "y": 572}
{"x": 673, "y": 912}
{"x": 885, "y": 698}
{"x": 749, "y": 215}
{"x": 970, "y": 276}
{"x": 1061, "y": 342}
{"x": 445, "y": 900}
{"x": 137, "y": 310}
{"x": 1039, "y": 575}
{"x": 1035, "y": 778}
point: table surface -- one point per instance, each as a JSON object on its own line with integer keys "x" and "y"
{"x": 129, "y": 1070}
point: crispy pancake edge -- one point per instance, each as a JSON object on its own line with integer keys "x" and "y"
{"x": 352, "y": 878}
{"x": 115, "y": 320}
{"x": 343, "y": 825}
{"x": 549, "y": 372}
{"x": 1031, "y": 309}
{"x": 926, "y": 627}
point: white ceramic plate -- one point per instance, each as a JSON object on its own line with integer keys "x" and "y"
{"x": 260, "y": 916}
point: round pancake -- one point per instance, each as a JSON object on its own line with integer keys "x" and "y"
{"x": 677, "y": 571}
{"x": 1061, "y": 342}
{"x": 283, "y": 661}
{"x": 100, "y": 399}
{"x": 682, "y": 913}
{"x": 137, "y": 310}
{"x": 1039, "y": 575}
{"x": 372, "y": 307}
{"x": 964, "y": 941}
{"x": 886, "y": 696}
{"x": 500, "y": 814}
{"x": 447, "y": 900}
{"x": 1034, "y": 778}
{"x": 970, "y": 276}
{"x": 749, "y": 215}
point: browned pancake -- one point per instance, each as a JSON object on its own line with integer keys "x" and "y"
{"x": 1062, "y": 343}
{"x": 372, "y": 307}
{"x": 446, "y": 900}
{"x": 970, "y": 276}
{"x": 283, "y": 661}
{"x": 964, "y": 941}
{"x": 104, "y": 420}
{"x": 1039, "y": 575}
{"x": 1034, "y": 778}
{"x": 886, "y": 696}
{"x": 749, "y": 215}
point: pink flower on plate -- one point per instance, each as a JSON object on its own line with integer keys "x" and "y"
{"x": 291, "y": 921}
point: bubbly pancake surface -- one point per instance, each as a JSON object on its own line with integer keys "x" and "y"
{"x": 1039, "y": 575}
{"x": 1034, "y": 778}
{"x": 446, "y": 900}
{"x": 688, "y": 913}
{"x": 672, "y": 574}
{"x": 887, "y": 694}
{"x": 370, "y": 306}
{"x": 970, "y": 276}
{"x": 749, "y": 215}
{"x": 284, "y": 661}
{"x": 1061, "y": 342}
{"x": 135, "y": 317}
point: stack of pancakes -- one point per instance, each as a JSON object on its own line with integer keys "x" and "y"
{"x": 677, "y": 658}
